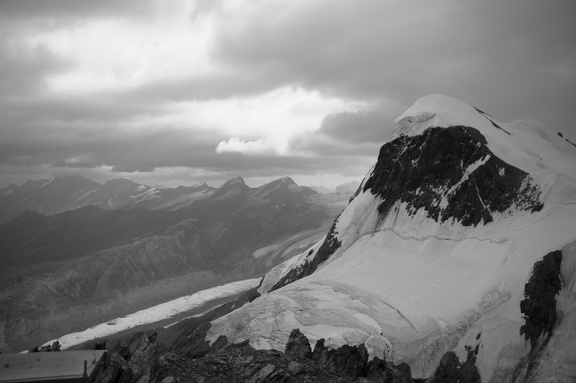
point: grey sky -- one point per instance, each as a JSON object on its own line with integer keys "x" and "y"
{"x": 182, "y": 92}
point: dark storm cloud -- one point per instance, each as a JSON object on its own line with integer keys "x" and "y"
{"x": 513, "y": 59}
{"x": 516, "y": 58}
{"x": 24, "y": 67}
{"x": 104, "y": 145}
{"x": 357, "y": 133}
{"x": 372, "y": 125}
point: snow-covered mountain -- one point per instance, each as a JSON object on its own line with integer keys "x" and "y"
{"x": 283, "y": 189}
{"x": 46, "y": 196}
{"x": 439, "y": 251}
{"x": 59, "y": 194}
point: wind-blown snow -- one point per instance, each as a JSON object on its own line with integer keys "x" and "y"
{"x": 412, "y": 288}
{"x": 155, "y": 313}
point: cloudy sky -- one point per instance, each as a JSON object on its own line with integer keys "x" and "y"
{"x": 178, "y": 92}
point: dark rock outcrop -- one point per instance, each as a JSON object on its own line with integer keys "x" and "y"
{"x": 146, "y": 353}
{"x": 451, "y": 370}
{"x": 55, "y": 346}
{"x": 226, "y": 362}
{"x": 118, "y": 371}
{"x": 418, "y": 169}
{"x": 566, "y": 139}
{"x": 132, "y": 360}
{"x": 491, "y": 119}
{"x": 539, "y": 309}
{"x": 330, "y": 245}
{"x": 539, "y": 304}
{"x": 298, "y": 346}
{"x": 349, "y": 360}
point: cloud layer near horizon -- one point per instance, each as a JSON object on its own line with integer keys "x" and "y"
{"x": 182, "y": 92}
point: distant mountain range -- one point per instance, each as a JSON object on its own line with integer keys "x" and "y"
{"x": 72, "y": 241}
{"x": 59, "y": 194}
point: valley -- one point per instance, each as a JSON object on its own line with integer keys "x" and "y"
{"x": 72, "y": 270}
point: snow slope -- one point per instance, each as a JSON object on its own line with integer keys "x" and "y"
{"x": 413, "y": 286}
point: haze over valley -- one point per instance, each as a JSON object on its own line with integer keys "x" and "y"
{"x": 76, "y": 268}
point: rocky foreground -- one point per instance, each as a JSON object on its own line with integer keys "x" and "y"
{"x": 193, "y": 359}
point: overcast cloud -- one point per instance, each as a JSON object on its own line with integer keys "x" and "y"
{"x": 186, "y": 91}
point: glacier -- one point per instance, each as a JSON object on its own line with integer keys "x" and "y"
{"x": 155, "y": 313}
{"x": 415, "y": 275}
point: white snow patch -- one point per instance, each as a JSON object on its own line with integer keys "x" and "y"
{"x": 469, "y": 170}
{"x": 148, "y": 194}
{"x": 46, "y": 183}
{"x": 407, "y": 124}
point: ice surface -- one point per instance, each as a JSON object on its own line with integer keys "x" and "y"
{"x": 155, "y": 313}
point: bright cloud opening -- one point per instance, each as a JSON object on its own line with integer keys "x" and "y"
{"x": 236, "y": 145}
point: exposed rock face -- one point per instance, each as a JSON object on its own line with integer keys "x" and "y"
{"x": 118, "y": 371}
{"x": 331, "y": 243}
{"x": 298, "y": 346}
{"x": 451, "y": 370}
{"x": 451, "y": 173}
{"x": 226, "y": 362}
{"x": 539, "y": 305}
{"x": 349, "y": 360}
{"x": 540, "y": 315}
{"x": 146, "y": 352}
{"x": 132, "y": 360}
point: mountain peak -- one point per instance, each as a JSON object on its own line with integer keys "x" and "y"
{"x": 120, "y": 181}
{"x": 442, "y": 111}
{"x": 234, "y": 181}
{"x": 288, "y": 180}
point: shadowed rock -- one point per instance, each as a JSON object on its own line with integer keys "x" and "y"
{"x": 298, "y": 346}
